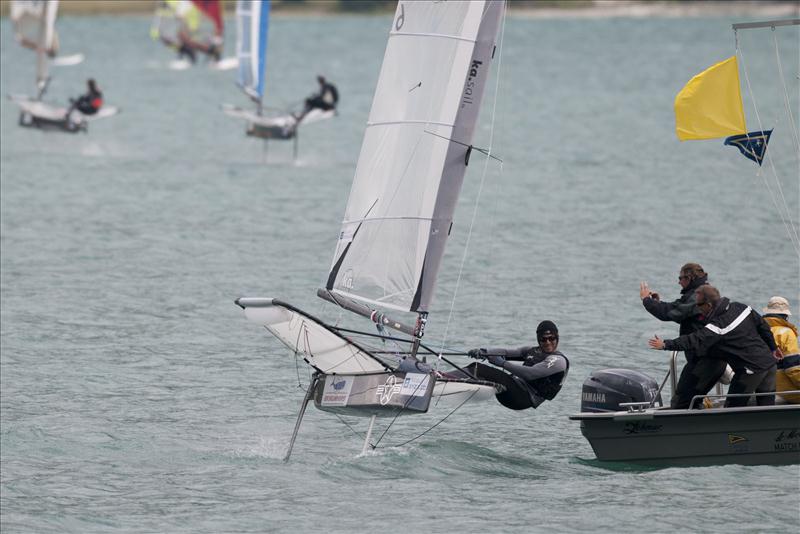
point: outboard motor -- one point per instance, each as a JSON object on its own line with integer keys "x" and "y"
{"x": 605, "y": 389}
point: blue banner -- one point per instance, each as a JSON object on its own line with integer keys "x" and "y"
{"x": 752, "y": 145}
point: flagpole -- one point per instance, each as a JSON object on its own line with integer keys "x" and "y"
{"x": 766, "y": 24}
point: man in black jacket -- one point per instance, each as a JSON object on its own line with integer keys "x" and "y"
{"x": 699, "y": 374}
{"x": 540, "y": 376}
{"x": 740, "y": 336}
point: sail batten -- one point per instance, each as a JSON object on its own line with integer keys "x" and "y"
{"x": 410, "y": 121}
{"x": 413, "y": 156}
{"x": 437, "y": 35}
{"x": 388, "y": 219}
{"x": 381, "y": 303}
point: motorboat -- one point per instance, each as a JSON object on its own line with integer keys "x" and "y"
{"x": 623, "y": 419}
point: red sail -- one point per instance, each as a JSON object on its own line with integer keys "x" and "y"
{"x": 213, "y": 10}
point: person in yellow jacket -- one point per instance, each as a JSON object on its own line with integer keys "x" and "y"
{"x": 787, "y": 377}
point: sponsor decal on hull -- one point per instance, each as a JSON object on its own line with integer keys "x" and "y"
{"x": 415, "y": 385}
{"x": 733, "y": 439}
{"x": 739, "y": 443}
{"x": 386, "y": 391}
{"x": 641, "y": 427}
{"x": 788, "y": 441}
{"x": 337, "y": 391}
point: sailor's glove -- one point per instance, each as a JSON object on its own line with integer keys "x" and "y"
{"x": 495, "y": 359}
{"x": 478, "y": 354}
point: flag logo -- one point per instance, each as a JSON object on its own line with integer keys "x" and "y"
{"x": 752, "y": 145}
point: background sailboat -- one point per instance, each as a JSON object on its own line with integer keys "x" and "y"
{"x": 252, "y": 23}
{"x": 33, "y": 111}
{"x": 413, "y": 159}
{"x": 192, "y": 27}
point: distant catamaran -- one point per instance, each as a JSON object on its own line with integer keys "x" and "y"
{"x": 252, "y": 23}
{"x": 33, "y": 111}
{"x": 414, "y": 155}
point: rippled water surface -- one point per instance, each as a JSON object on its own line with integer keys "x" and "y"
{"x": 136, "y": 397}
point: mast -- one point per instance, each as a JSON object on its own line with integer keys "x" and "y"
{"x": 414, "y": 155}
{"x": 457, "y": 154}
{"x": 41, "y": 58}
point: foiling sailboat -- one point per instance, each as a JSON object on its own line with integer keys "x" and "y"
{"x": 622, "y": 415}
{"x": 34, "y": 112}
{"x": 414, "y": 155}
{"x": 191, "y": 27}
{"x": 252, "y": 22}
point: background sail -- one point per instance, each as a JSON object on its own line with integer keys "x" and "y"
{"x": 27, "y": 17}
{"x": 47, "y": 42}
{"x": 212, "y": 10}
{"x": 202, "y": 19}
{"x": 252, "y": 23}
{"x": 34, "y": 25}
{"x": 412, "y": 160}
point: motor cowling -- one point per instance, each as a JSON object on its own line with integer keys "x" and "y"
{"x": 605, "y": 389}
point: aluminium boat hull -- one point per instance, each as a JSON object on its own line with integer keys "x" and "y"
{"x": 752, "y": 435}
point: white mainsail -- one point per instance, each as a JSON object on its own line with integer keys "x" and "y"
{"x": 28, "y": 16}
{"x": 34, "y": 26}
{"x": 47, "y": 41}
{"x": 414, "y": 154}
{"x": 252, "y": 24}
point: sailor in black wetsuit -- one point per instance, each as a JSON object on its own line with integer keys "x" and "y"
{"x": 325, "y": 99}
{"x": 540, "y": 376}
{"x": 88, "y": 103}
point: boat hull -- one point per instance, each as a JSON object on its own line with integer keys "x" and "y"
{"x": 282, "y": 126}
{"x": 354, "y": 381}
{"x": 392, "y": 394}
{"x": 752, "y": 435}
{"x": 37, "y": 114}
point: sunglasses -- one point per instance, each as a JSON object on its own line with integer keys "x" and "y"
{"x": 548, "y": 339}
{"x": 682, "y": 278}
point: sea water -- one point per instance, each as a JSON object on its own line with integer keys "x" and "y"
{"x": 137, "y": 398}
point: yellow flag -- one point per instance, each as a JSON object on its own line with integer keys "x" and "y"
{"x": 710, "y": 105}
